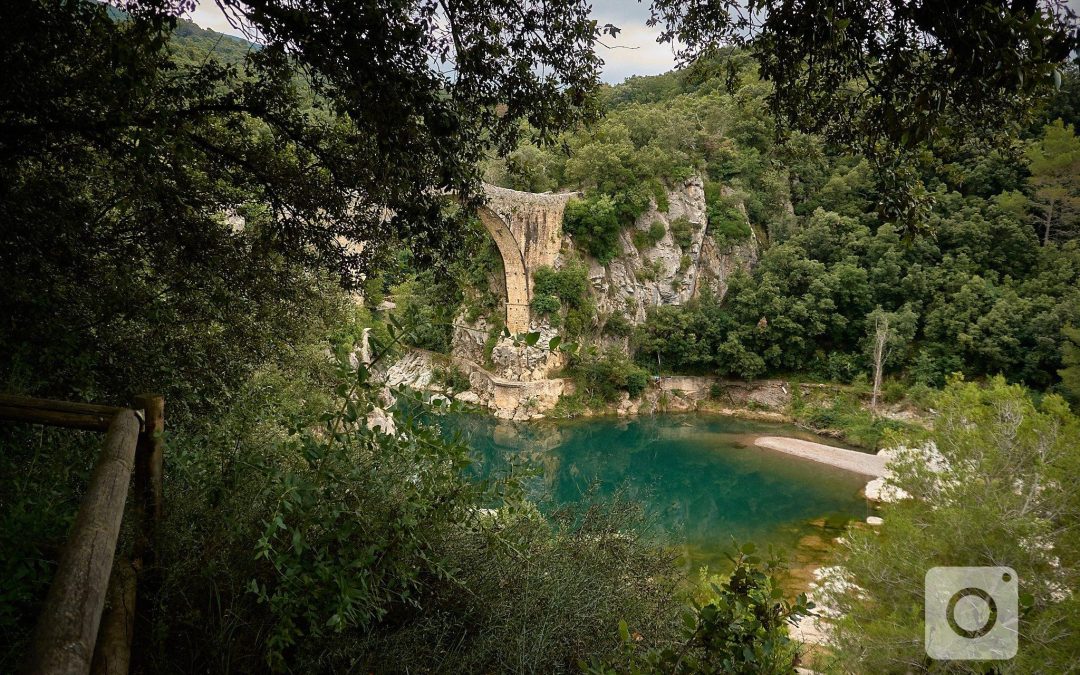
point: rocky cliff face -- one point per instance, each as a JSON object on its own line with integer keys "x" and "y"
{"x": 507, "y": 399}
{"x": 666, "y": 273}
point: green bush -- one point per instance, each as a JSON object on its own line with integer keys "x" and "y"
{"x": 617, "y": 324}
{"x": 684, "y": 263}
{"x": 636, "y": 382}
{"x": 932, "y": 369}
{"x": 1006, "y": 475}
{"x": 594, "y": 224}
{"x": 841, "y": 367}
{"x": 300, "y": 537}
{"x": 682, "y": 231}
{"x": 644, "y": 239}
{"x": 728, "y": 226}
{"x": 546, "y": 304}
{"x": 452, "y": 377}
{"x": 427, "y": 306}
{"x": 741, "y": 627}
{"x": 570, "y": 284}
{"x": 727, "y": 223}
{"x": 580, "y": 320}
{"x": 601, "y": 376}
{"x": 893, "y": 391}
{"x": 649, "y": 271}
{"x": 843, "y": 414}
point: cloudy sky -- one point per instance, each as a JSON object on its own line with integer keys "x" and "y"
{"x": 633, "y": 52}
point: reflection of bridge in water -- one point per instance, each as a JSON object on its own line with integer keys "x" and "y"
{"x": 527, "y": 229}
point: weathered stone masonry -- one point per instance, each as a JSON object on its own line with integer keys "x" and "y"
{"x": 527, "y": 229}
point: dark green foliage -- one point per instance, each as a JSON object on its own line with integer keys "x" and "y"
{"x": 988, "y": 299}
{"x": 300, "y": 536}
{"x": 601, "y": 376}
{"x": 933, "y": 369}
{"x": 1070, "y": 359}
{"x": 529, "y": 169}
{"x": 541, "y": 595}
{"x": 727, "y": 224}
{"x": 730, "y": 227}
{"x": 742, "y": 627}
{"x": 43, "y": 472}
{"x": 841, "y": 367}
{"x": 567, "y": 287}
{"x": 341, "y": 541}
{"x": 844, "y": 413}
{"x": 594, "y": 223}
{"x": 618, "y": 325}
{"x": 889, "y": 81}
{"x": 546, "y": 304}
{"x": 569, "y": 284}
{"x": 475, "y": 268}
{"x": 429, "y": 306}
{"x": 453, "y": 377}
{"x": 682, "y": 230}
{"x": 644, "y": 239}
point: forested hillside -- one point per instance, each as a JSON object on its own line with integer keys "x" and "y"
{"x": 993, "y": 287}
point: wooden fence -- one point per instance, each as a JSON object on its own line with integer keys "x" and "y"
{"x": 72, "y": 635}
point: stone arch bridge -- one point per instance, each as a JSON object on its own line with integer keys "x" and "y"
{"x": 527, "y": 229}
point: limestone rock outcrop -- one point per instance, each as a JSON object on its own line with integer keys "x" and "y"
{"x": 667, "y": 273}
{"x": 507, "y": 399}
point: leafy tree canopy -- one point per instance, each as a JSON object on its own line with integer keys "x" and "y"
{"x": 886, "y": 79}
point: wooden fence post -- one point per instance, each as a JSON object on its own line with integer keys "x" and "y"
{"x": 112, "y": 655}
{"x": 149, "y": 462}
{"x": 67, "y": 628}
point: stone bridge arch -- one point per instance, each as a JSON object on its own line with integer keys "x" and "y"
{"x": 527, "y": 229}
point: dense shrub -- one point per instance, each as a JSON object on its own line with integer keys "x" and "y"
{"x": 546, "y": 304}
{"x": 302, "y": 536}
{"x": 594, "y": 224}
{"x": 618, "y": 325}
{"x": 727, "y": 224}
{"x": 603, "y": 375}
{"x": 843, "y": 414}
{"x": 568, "y": 288}
{"x": 682, "y": 231}
{"x": 644, "y": 239}
{"x": 841, "y": 367}
{"x": 740, "y": 627}
{"x": 569, "y": 284}
{"x": 1002, "y": 478}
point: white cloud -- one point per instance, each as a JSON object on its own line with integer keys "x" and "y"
{"x": 208, "y": 15}
{"x": 634, "y": 52}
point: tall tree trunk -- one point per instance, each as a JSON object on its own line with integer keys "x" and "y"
{"x": 881, "y": 337}
{"x": 1049, "y": 219}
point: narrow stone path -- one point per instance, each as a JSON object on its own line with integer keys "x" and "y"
{"x": 851, "y": 460}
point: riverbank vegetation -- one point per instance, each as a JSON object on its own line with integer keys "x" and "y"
{"x": 993, "y": 492}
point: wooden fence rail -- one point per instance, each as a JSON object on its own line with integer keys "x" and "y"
{"x": 89, "y": 416}
{"x": 67, "y": 639}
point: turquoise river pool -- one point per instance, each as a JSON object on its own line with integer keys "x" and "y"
{"x": 701, "y": 479}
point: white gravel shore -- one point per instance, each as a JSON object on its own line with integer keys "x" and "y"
{"x": 850, "y": 460}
